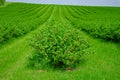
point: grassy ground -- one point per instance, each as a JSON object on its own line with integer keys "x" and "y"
{"x": 104, "y": 64}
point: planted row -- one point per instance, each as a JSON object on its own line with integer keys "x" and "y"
{"x": 96, "y": 23}
{"x": 12, "y": 26}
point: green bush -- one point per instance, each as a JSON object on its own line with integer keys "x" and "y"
{"x": 59, "y": 46}
{"x": 108, "y": 32}
{"x": 2, "y": 2}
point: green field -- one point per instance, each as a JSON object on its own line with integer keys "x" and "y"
{"x": 99, "y": 25}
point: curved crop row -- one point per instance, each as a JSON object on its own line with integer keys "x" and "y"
{"x": 96, "y": 24}
{"x": 16, "y": 26}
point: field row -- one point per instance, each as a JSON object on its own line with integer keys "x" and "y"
{"x": 19, "y": 19}
{"x": 99, "y": 23}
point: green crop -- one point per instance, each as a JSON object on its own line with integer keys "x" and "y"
{"x": 19, "y": 21}
{"x": 2, "y": 2}
{"x": 102, "y": 22}
{"x": 58, "y": 45}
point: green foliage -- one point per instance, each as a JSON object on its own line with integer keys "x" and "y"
{"x": 58, "y": 45}
{"x": 98, "y": 23}
{"x": 103, "y": 65}
{"x": 2, "y": 2}
{"x": 108, "y": 33}
{"x": 16, "y": 23}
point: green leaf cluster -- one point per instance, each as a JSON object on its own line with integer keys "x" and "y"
{"x": 2, "y": 2}
{"x": 60, "y": 46}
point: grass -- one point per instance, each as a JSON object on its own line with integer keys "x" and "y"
{"x": 104, "y": 64}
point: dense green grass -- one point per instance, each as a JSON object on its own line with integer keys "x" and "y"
{"x": 26, "y": 19}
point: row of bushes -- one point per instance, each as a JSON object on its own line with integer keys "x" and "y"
{"x": 10, "y": 30}
{"x": 107, "y": 32}
{"x": 103, "y": 31}
{"x": 97, "y": 24}
{"x": 12, "y": 27}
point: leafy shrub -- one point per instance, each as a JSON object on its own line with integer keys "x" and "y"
{"x": 2, "y": 2}
{"x": 105, "y": 32}
{"x": 59, "y": 46}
